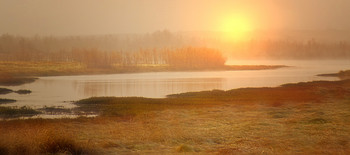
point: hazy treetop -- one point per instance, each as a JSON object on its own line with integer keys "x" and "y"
{"x": 83, "y": 17}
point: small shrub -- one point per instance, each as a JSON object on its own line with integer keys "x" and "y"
{"x": 318, "y": 121}
{"x": 61, "y": 145}
{"x": 278, "y": 114}
{"x": 184, "y": 148}
{"x": 277, "y": 104}
{"x": 4, "y": 150}
{"x": 229, "y": 151}
{"x": 21, "y": 149}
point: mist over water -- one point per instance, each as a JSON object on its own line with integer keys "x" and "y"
{"x": 242, "y": 76}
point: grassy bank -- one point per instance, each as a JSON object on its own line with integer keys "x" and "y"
{"x": 5, "y": 101}
{"x": 5, "y": 91}
{"x": 14, "y": 112}
{"x": 18, "y": 72}
{"x": 299, "y": 93}
{"x": 6, "y": 79}
{"x": 302, "y": 118}
{"x": 341, "y": 74}
{"x": 21, "y": 91}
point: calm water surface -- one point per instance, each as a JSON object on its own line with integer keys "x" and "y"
{"x": 59, "y": 90}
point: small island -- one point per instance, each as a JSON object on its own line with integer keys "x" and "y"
{"x": 341, "y": 74}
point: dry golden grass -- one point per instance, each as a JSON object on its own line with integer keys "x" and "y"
{"x": 39, "y": 137}
{"x": 41, "y": 68}
{"x": 231, "y": 122}
{"x": 256, "y": 128}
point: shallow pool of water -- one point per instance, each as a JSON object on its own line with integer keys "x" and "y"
{"x": 59, "y": 90}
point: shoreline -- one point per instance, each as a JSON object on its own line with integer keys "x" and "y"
{"x": 288, "y": 92}
{"x": 18, "y": 73}
{"x": 341, "y": 74}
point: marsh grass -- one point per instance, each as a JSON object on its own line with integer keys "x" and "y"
{"x": 243, "y": 129}
{"x": 184, "y": 148}
{"x": 55, "y": 144}
{"x": 23, "y": 91}
{"x": 225, "y": 122}
{"x": 341, "y": 74}
{"x": 8, "y": 79}
{"x": 120, "y": 106}
{"x": 55, "y": 110}
{"x": 5, "y": 91}
{"x": 14, "y": 69}
{"x": 6, "y": 101}
{"x": 318, "y": 121}
{"x": 14, "y": 73}
{"x": 13, "y": 112}
{"x": 40, "y": 137}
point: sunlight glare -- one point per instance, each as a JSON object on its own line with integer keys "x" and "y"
{"x": 236, "y": 28}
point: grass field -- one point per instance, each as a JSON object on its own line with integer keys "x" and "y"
{"x": 302, "y": 118}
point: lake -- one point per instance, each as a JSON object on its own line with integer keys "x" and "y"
{"x": 60, "y": 90}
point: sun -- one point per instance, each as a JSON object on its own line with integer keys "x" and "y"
{"x": 236, "y": 27}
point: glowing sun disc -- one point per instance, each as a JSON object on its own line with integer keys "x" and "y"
{"x": 235, "y": 27}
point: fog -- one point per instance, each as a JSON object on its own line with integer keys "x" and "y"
{"x": 87, "y": 17}
{"x": 240, "y": 29}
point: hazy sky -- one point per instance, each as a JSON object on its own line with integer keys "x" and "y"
{"x": 75, "y": 17}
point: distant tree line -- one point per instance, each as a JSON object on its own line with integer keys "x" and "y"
{"x": 120, "y": 42}
{"x": 161, "y": 47}
{"x": 187, "y": 57}
{"x": 288, "y": 49}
